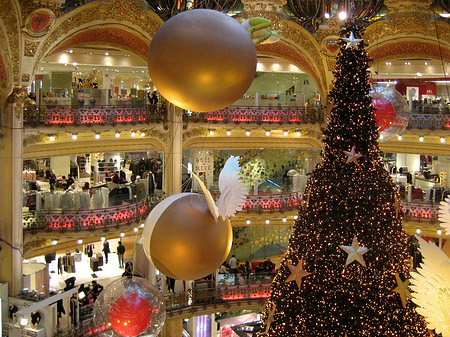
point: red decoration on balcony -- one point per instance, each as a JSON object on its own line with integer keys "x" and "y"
{"x": 385, "y": 113}
{"x": 130, "y": 315}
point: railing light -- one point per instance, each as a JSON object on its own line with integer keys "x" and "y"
{"x": 54, "y": 242}
{"x": 102, "y": 239}
{"x": 267, "y": 221}
{"x": 295, "y": 217}
{"x": 298, "y": 133}
{"x": 421, "y": 139}
{"x": 248, "y": 222}
{"x": 418, "y": 231}
{"x": 285, "y": 133}
{"x": 400, "y": 138}
{"x": 135, "y": 229}
{"x": 284, "y": 219}
{"x": 247, "y": 133}
{"x": 142, "y": 134}
{"x": 228, "y": 133}
{"x": 211, "y": 132}
{"x": 51, "y": 138}
{"x": 133, "y": 134}
{"x": 122, "y": 235}
{"x": 142, "y": 225}
{"x": 79, "y": 241}
{"x": 267, "y": 133}
{"x": 117, "y": 135}
{"x": 439, "y": 232}
{"x": 97, "y": 136}
{"x": 442, "y": 140}
{"x": 74, "y": 136}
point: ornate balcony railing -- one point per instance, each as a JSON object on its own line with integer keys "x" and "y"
{"x": 89, "y": 219}
{"x": 36, "y": 115}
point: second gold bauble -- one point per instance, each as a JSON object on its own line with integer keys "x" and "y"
{"x": 202, "y": 60}
{"x": 183, "y": 240}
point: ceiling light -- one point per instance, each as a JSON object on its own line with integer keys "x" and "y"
{"x": 284, "y": 219}
{"x": 70, "y": 51}
{"x": 248, "y": 222}
{"x": 54, "y": 242}
{"x": 439, "y": 232}
{"x": 211, "y": 132}
{"x": 381, "y": 136}
{"x": 228, "y": 133}
{"x": 247, "y": 133}
{"x": 106, "y": 53}
{"x": 102, "y": 239}
{"x": 295, "y": 217}
{"x": 298, "y": 133}
{"x": 442, "y": 140}
{"x": 267, "y": 133}
{"x": 74, "y": 64}
{"x": 142, "y": 225}
{"x": 421, "y": 139}
{"x": 342, "y": 15}
{"x": 400, "y": 137}
{"x": 133, "y": 134}
{"x": 51, "y": 138}
{"x": 419, "y": 74}
{"x": 135, "y": 229}
{"x": 285, "y": 133}
{"x": 426, "y": 63}
{"x": 79, "y": 241}
{"x": 74, "y": 136}
{"x": 122, "y": 235}
{"x": 97, "y": 136}
{"x": 327, "y": 15}
{"x": 117, "y": 135}
{"x": 142, "y": 134}
{"x": 267, "y": 221}
{"x": 418, "y": 231}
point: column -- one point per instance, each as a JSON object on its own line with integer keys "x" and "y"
{"x": 172, "y": 327}
{"x": 174, "y": 152}
{"x": 11, "y": 192}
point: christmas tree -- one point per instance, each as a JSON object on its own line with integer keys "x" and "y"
{"x": 346, "y": 269}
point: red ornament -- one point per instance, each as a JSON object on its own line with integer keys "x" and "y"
{"x": 130, "y": 315}
{"x": 385, "y": 113}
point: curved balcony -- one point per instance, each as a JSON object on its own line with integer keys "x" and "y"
{"x": 90, "y": 219}
{"x": 73, "y": 115}
{"x": 103, "y": 218}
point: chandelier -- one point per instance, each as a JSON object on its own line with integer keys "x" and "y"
{"x": 311, "y": 13}
{"x": 168, "y": 8}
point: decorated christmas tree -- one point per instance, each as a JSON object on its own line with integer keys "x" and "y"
{"x": 346, "y": 270}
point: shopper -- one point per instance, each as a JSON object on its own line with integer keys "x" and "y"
{"x": 116, "y": 178}
{"x": 52, "y": 181}
{"x": 154, "y": 98}
{"x": 232, "y": 264}
{"x": 95, "y": 290}
{"x": 120, "y": 252}
{"x": 106, "y": 250}
{"x": 70, "y": 181}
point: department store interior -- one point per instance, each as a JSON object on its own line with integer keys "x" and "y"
{"x": 99, "y": 149}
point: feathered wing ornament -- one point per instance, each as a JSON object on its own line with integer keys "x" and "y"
{"x": 431, "y": 287}
{"x": 232, "y": 190}
{"x": 444, "y": 215}
{"x": 209, "y": 199}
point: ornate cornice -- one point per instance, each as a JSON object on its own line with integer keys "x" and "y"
{"x": 33, "y": 139}
{"x": 11, "y": 20}
{"x": 17, "y": 97}
{"x": 197, "y": 132}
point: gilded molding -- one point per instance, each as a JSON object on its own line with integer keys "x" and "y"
{"x": 197, "y": 132}
{"x": 11, "y": 20}
{"x": 33, "y": 139}
{"x": 30, "y": 48}
{"x": 26, "y": 77}
{"x": 17, "y": 97}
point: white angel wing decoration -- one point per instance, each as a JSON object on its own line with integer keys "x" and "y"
{"x": 444, "y": 215}
{"x": 232, "y": 190}
{"x": 431, "y": 287}
{"x": 209, "y": 199}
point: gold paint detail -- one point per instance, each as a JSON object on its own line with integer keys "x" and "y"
{"x": 30, "y": 48}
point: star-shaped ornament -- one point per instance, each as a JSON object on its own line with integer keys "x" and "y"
{"x": 352, "y": 156}
{"x": 351, "y": 41}
{"x": 355, "y": 252}
{"x": 270, "y": 318}
{"x": 402, "y": 289}
{"x": 297, "y": 273}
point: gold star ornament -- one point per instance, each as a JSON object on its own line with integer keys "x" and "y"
{"x": 297, "y": 273}
{"x": 351, "y": 41}
{"x": 355, "y": 252}
{"x": 402, "y": 289}
{"x": 352, "y": 156}
{"x": 270, "y": 318}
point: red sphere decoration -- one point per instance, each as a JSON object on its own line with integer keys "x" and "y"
{"x": 385, "y": 113}
{"x": 130, "y": 315}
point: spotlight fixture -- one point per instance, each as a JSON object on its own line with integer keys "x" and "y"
{"x": 442, "y": 140}
{"x": 400, "y": 138}
{"x": 51, "y": 138}
{"x": 117, "y": 135}
{"x": 285, "y": 133}
{"x": 267, "y": 133}
{"x": 284, "y": 219}
{"x": 247, "y": 133}
{"x": 133, "y": 134}
{"x": 248, "y": 222}
{"x": 70, "y": 51}
{"x": 439, "y": 232}
{"x": 142, "y": 134}
{"x": 106, "y": 53}
{"x": 135, "y": 229}
{"x": 418, "y": 231}
{"x": 122, "y": 235}
{"x": 421, "y": 139}
{"x": 97, "y": 136}
{"x": 74, "y": 136}
{"x": 23, "y": 322}
{"x": 79, "y": 241}
{"x": 298, "y": 133}
{"x": 54, "y": 242}
{"x": 142, "y": 225}
{"x": 211, "y": 132}
{"x": 267, "y": 221}
{"x": 228, "y": 133}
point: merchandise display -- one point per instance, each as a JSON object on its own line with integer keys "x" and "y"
{"x": 129, "y": 306}
{"x": 202, "y": 60}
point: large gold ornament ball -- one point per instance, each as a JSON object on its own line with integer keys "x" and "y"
{"x": 183, "y": 240}
{"x": 202, "y": 60}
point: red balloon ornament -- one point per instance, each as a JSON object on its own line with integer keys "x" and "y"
{"x": 385, "y": 113}
{"x": 130, "y": 315}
